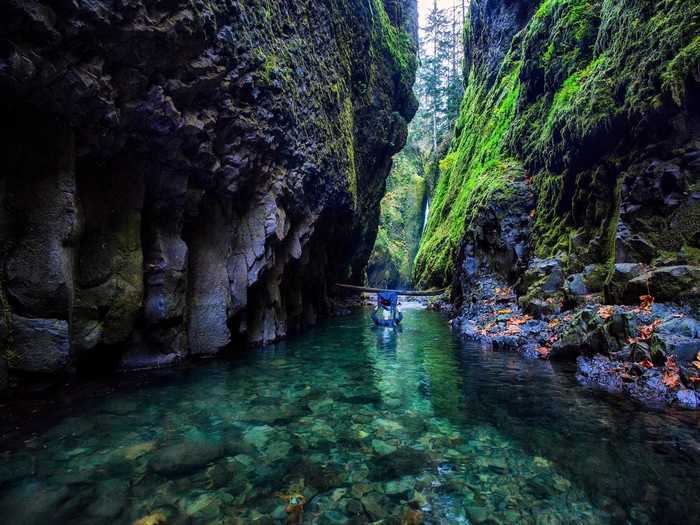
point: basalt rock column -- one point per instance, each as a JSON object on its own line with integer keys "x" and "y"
{"x": 204, "y": 170}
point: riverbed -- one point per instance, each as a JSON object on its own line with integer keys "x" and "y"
{"x": 352, "y": 424}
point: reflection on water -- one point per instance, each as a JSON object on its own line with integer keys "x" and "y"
{"x": 367, "y": 424}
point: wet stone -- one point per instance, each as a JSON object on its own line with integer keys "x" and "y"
{"x": 185, "y": 457}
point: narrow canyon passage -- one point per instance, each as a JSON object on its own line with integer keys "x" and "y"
{"x": 358, "y": 421}
{"x": 194, "y": 194}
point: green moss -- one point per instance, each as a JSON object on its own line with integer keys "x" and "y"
{"x": 683, "y": 65}
{"x": 476, "y": 170}
{"x": 587, "y": 66}
{"x": 346, "y": 128}
{"x": 400, "y": 222}
{"x": 397, "y": 42}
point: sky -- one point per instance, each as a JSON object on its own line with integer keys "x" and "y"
{"x": 424, "y": 6}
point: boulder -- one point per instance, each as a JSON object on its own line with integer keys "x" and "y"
{"x": 617, "y": 282}
{"x": 588, "y": 333}
{"x": 186, "y": 456}
{"x": 539, "y": 308}
{"x": 668, "y": 283}
{"x": 686, "y": 398}
{"x": 543, "y": 278}
{"x": 683, "y": 348}
{"x": 575, "y": 285}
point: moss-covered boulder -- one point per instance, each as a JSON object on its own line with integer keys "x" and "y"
{"x": 668, "y": 283}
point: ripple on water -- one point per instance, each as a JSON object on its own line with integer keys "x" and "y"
{"x": 360, "y": 424}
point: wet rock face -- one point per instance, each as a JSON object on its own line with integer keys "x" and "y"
{"x": 184, "y": 177}
{"x": 596, "y": 200}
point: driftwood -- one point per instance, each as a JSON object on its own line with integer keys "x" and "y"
{"x": 411, "y": 293}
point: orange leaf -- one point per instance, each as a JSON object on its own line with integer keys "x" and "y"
{"x": 671, "y": 379}
{"x": 543, "y": 351}
{"x": 646, "y": 331}
{"x": 605, "y": 311}
{"x": 645, "y": 302}
{"x": 698, "y": 356}
{"x": 554, "y": 322}
{"x": 647, "y": 364}
{"x": 505, "y": 311}
{"x": 696, "y": 364}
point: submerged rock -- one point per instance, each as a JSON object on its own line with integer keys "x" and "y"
{"x": 186, "y": 456}
{"x": 399, "y": 463}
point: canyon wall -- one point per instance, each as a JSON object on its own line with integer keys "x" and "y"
{"x": 567, "y": 213}
{"x": 183, "y": 177}
{"x": 578, "y": 140}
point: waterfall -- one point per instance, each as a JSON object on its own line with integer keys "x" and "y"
{"x": 425, "y": 215}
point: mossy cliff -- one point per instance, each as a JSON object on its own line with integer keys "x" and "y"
{"x": 578, "y": 134}
{"x": 190, "y": 176}
{"x": 400, "y": 222}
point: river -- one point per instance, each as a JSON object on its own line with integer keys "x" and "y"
{"x": 366, "y": 424}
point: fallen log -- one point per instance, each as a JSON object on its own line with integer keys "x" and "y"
{"x": 410, "y": 293}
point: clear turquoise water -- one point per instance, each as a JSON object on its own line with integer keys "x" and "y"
{"x": 368, "y": 424}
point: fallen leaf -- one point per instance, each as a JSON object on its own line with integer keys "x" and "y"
{"x": 647, "y": 364}
{"x": 671, "y": 379}
{"x": 544, "y": 351}
{"x": 696, "y": 364}
{"x": 412, "y": 517}
{"x": 519, "y": 320}
{"x": 505, "y": 311}
{"x": 646, "y": 331}
{"x": 605, "y": 311}
{"x": 632, "y": 340}
{"x": 554, "y": 322}
{"x": 294, "y": 508}
{"x": 645, "y": 302}
{"x": 513, "y": 329}
{"x": 152, "y": 519}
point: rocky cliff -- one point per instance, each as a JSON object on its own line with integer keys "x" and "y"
{"x": 573, "y": 179}
{"x": 182, "y": 177}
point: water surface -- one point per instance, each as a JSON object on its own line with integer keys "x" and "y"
{"x": 367, "y": 424}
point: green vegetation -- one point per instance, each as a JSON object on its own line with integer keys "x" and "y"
{"x": 397, "y": 42}
{"x": 476, "y": 170}
{"x": 581, "y": 72}
{"x": 400, "y": 223}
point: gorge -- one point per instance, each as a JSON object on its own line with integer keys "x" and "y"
{"x": 184, "y": 182}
